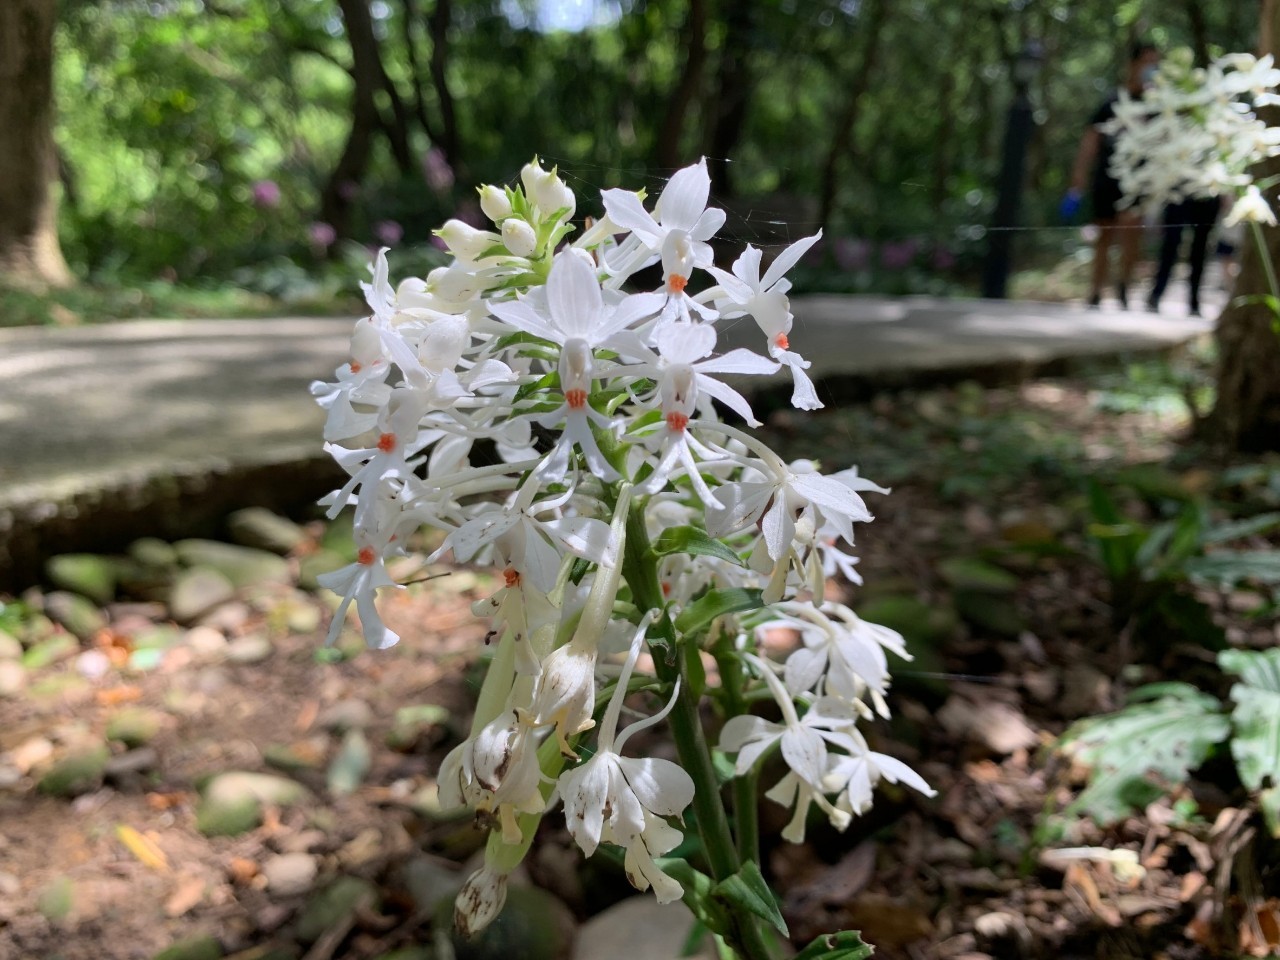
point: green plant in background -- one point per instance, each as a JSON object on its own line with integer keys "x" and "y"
{"x": 1153, "y": 567}
{"x": 1169, "y": 729}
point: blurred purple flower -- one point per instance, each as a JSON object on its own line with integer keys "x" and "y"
{"x": 898, "y": 256}
{"x": 943, "y": 259}
{"x": 266, "y": 193}
{"x": 469, "y": 212}
{"x": 438, "y": 243}
{"x": 388, "y": 232}
{"x": 436, "y": 170}
{"x": 851, "y": 253}
{"x": 348, "y": 189}
{"x": 322, "y": 235}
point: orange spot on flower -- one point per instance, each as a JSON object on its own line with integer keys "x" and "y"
{"x": 511, "y": 576}
{"x": 356, "y": 366}
{"x": 387, "y": 442}
{"x": 782, "y": 342}
{"x": 366, "y": 556}
{"x": 677, "y": 421}
{"x": 577, "y": 399}
{"x": 666, "y": 589}
{"x": 677, "y": 283}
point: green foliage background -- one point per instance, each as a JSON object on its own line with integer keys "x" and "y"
{"x": 171, "y": 110}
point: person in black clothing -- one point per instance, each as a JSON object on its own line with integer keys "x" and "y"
{"x": 1121, "y": 227}
{"x": 1200, "y": 214}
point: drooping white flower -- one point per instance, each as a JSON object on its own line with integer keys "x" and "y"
{"x": 479, "y": 901}
{"x": 623, "y": 800}
{"x": 854, "y": 775}
{"x": 1252, "y": 207}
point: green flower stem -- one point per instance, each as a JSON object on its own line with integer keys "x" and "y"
{"x": 1268, "y": 267}
{"x": 641, "y": 571}
{"x": 745, "y": 803}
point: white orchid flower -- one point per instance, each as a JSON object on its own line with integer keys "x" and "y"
{"x": 623, "y": 800}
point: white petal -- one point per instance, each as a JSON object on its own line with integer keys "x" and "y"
{"x": 787, "y": 259}
{"x": 661, "y": 786}
{"x": 573, "y": 296}
{"x": 583, "y": 536}
{"x": 804, "y": 667}
{"x": 684, "y": 197}
{"x": 740, "y": 360}
{"x": 895, "y": 771}
{"x": 522, "y": 316}
{"x": 747, "y": 267}
{"x": 830, "y": 496}
{"x": 805, "y": 753}
{"x": 686, "y": 342}
{"x": 708, "y": 224}
{"x": 625, "y": 209}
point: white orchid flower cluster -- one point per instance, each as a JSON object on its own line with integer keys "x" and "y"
{"x": 563, "y": 433}
{"x": 1194, "y": 133}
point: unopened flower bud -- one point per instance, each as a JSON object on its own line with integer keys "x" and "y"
{"x": 454, "y": 283}
{"x": 546, "y": 190}
{"x": 479, "y": 901}
{"x": 464, "y": 241}
{"x": 518, "y": 237}
{"x": 494, "y": 202}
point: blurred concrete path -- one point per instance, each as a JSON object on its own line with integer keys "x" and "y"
{"x": 106, "y": 419}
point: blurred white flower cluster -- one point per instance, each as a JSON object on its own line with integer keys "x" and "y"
{"x": 562, "y": 432}
{"x": 1194, "y": 133}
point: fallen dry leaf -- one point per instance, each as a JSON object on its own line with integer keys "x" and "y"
{"x": 144, "y": 848}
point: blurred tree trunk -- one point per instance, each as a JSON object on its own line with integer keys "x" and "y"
{"x": 336, "y": 200}
{"x": 694, "y": 42}
{"x": 1246, "y": 416}
{"x": 450, "y": 141}
{"x": 29, "y": 251}
{"x": 733, "y": 92}
{"x": 842, "y": 136}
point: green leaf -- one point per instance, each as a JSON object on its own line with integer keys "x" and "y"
{"x": 1151, "y": 742}
{"x": 695, "y": 673}
{"x": 1256, "y": 717}
{"x": 1236, "y": 529}
{"x": 747, "y": 890}
{"x": 1228, "y": 567}
{"x": 694, "y": 542}
{"x": 698, "y": 616}
{"x": 845, "y": 945}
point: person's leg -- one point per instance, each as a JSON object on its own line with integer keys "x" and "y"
{"x": 1170, "y": 239}
{"x": 1205, "y": 214}
{"x": 1129, "y": 236}
{"x": 1101, "y": 254}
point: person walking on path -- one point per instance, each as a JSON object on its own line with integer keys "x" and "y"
{"x": 1200, "y": 214}
{"x": 1116, "y": 227}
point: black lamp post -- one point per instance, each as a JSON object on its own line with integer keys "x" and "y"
{"x": 1021, "y": 122}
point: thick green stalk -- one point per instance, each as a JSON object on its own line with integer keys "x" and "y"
{"x": 745, "y": 809}
{"x": 641, "y": 573}
{"x": 1268, "y": 267}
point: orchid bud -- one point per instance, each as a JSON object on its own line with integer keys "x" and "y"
{"x": 479, "y": 901}
{"x": 466, "y": 242}
{"x": 546, "y": 190}
{"x": 454, "y": 283}
{"x": 518, "y": 237}
{"x": 494, "y": 202}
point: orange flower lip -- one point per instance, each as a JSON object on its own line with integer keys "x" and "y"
{"x": 365, "y": 556}
{"x": 576, "y": 399}
{"x": 387, "y": 442}
{"x": 677, "y": 283}
{"x": 677, "y": 421}
{"x": 782, "y": 342}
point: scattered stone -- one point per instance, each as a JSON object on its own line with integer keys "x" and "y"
{"x": 301, "y": 617}
{"x": 294, "y": 756}
{"x": 533, "y": 925}
{"x": 206, "y": 643}
{"x": 135, "y": 726}
{"x": 30, "y": 753}
{"x": 313, "y": 564}
{"x": 131, "y": 763}
{"x": 638, "y": 928}
{"x": 251, "y": 649}
{"x": 56, "y": 901}
{"x": 49, "y": 650}
{"x": 79, "y": 615}
{"x": 970, "y": 573}
{"x": 362, "y": 849}
{"x": 290, "y": 874}
{"x": 10, "y": 648}
{"x": 93, "y": 664}
{"x": 243, "y": 566}
{"x": 10, "y": 886}
{"x": 87, "y": 574}
{"x": 144, "y": 659}
{"x": 334, "y": 905}
{"x": 350, "y": 766}
{"x": 350, "y": 714}
{"x": 233, "y": 801}
{"x": 413, "y": 722}
{"x": 198, "y": 591}
{"x": 157, "y": 637}
{"x": 152, "y": 552}
{"x": 13, "y": 678}
{"x": 76, "y": 773}
{"x": 195, "y": 948}
{"x": 10, "y": 776}
{"x": 431, "y": 879}
{"x": 260, "y": 528}
{"x": 1001, "y": 727}
{"x": 228, "y": 617}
